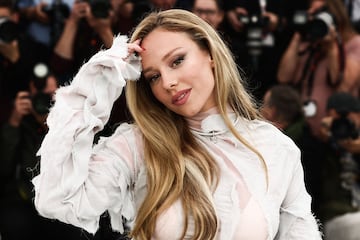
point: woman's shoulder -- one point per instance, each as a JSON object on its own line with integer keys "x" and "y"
{"x": 281, "y": 155}
{"x": 264, "y": 131}
{"x": 269, "y": 140}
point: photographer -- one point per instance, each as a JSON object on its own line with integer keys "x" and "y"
{"x": 16, "y": 57}
{"x": 255, "y": 29}
{"x": 323, "y": 57}
{"x": 43, "y": 21}
{"x": 83, "y": 35}
{"x": 211, "y": 11}
{"x": 340, "y": 205}
{"x": 20, "y": 139}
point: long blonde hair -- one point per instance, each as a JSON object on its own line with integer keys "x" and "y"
{"x": 177, "y": 166}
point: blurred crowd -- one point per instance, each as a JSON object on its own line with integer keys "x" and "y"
{"x": 300, "y": 60}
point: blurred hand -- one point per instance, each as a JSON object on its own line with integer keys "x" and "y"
{"x": 233, "y": 17}
{"x": 273, "y": 20}
{"x": 39, "y": 13}
{"x": 10, "y": 51}
{"x": 79, "y": 10}
{"x": 22, "y": 107}
{"x": 297, "y": 44}
{"x": 100, "y": 25}
{"x": 329, "y": 42}
{"x": 350, "y": 145}
{"x": 117, "y": 4}
{"x": 325, "y": 131}
{"x": 315, "y": 5}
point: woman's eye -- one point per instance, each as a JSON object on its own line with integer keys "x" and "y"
{"x": 178, "y": 61}
{"x": 153, "y": 78}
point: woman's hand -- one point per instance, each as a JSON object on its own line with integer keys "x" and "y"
{"x": 134, "y": 48}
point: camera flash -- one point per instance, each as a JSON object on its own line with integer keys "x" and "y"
{"x": 41, "y": 70}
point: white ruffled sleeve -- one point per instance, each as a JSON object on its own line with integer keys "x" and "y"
{"x": 77, "y": 181}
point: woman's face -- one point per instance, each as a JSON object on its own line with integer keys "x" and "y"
{"x": 180, "y": 74}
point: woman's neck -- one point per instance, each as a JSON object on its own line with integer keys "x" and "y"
{"x": 195, "y": 121}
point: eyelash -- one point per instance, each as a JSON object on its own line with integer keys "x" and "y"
{"x": 174, "y": 64}
{"x": 153, "y": 78}
{"x": 178, "y": 61}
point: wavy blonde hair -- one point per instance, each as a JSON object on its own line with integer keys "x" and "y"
{"x": 178, "y": 167}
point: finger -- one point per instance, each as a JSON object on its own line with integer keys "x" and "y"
{"x": 135, "y": 47}
{"x": 23, "y": 94}
{"x": 24, "y": 111}
{"x": 137, "y": 41}
{"x": 23, "y": 108}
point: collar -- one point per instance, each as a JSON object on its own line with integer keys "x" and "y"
{"x": 211, "y": 124}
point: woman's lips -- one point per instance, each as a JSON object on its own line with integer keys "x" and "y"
{"x": 181, "y": 97}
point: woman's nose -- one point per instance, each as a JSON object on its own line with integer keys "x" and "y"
{"x": 169, "y": 81}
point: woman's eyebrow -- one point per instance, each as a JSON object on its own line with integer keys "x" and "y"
{"x": 167, "y": 55}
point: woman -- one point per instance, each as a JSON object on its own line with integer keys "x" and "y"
{"x": 196, "y": 164}
{"x": 320, "y": 65}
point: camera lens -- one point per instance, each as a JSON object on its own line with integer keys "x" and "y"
{"x": 42, "y": 103}
{"x": 319, "y": 27}
{"x": 100, "y": 8}
{"x": 313, "y": 27}
{"x": 8, "y": 30}
{"x": 343, "y": 128}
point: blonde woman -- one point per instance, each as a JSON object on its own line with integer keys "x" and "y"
{"x": 197, "y": 163}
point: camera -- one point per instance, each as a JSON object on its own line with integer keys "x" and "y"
{"x": 100, "y": 8}
{"x": 57, "y": 12}
{"x": 313, "y": 27}
{"x": 9, "y": 30}
{"x": 41, "y": 101}
{"x": 255, "y": 26}
{"x": 343, "y": 128}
